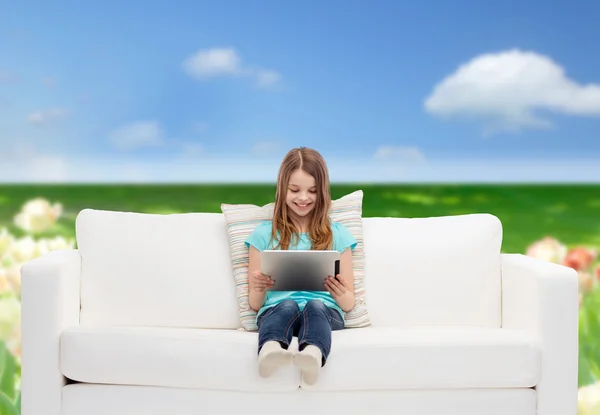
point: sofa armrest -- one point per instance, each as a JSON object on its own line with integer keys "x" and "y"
{"x": 49, "y": 304}
{"x": 541, "y": 297}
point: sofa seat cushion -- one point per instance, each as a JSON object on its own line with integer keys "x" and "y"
{"x": 430, "y": 358}
{"x": 209, "y": 359}
{"x": 361, "y": 359}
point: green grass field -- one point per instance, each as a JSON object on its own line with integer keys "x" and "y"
{"x": 528, "y": 212}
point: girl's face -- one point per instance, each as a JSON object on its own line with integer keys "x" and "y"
{"x": 301, "y": 193}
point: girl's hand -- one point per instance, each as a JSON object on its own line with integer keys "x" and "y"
{"x": 259, "y": 282}
{"x": 338, "y": 287}
{"x": 341, "y": 291}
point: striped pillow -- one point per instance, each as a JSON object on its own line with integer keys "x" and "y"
{"x": 241, "y": 221}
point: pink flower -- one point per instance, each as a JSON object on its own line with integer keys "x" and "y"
{"x": 580, "y": 258}
{"x": 586, "y": 282}
{"x": 547, "y": 249}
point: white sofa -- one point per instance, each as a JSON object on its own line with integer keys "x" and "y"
{"x": 142, "y": 319}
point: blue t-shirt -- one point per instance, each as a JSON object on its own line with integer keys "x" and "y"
{"x": 261, "y": 238}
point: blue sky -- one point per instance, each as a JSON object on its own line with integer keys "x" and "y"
{"x": 219, "y": 91}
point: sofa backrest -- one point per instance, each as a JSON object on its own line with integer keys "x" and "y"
{"x": 440, "y": 271}
{"x": 175, "y": 270}
{"x": 155, "y": 270}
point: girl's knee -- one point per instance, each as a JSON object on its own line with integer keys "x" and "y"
{"x": 316, "y": 305}
{"x": 289, "y": 304}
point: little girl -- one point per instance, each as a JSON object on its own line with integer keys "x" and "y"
{"x": 300, "y": 221}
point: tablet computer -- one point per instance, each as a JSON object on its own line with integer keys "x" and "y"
{"x": 299, "y": 270}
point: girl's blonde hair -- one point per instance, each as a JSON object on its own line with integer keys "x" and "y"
{"x": 319, "y": 227}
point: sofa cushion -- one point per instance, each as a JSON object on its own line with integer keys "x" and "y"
{"x": 367, "y": 359}
{"x": 186, "y": 358}
{"x": 430, "y": 358}
{"x": 242, "y": 219}
{"x": 436, "y": 271}
{"x": 169, "y": 270}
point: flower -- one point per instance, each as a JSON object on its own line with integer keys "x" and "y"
{"x": 52, "y": 244}
{"x": 10, "y": 317}
{"x": 548, "y": 249}
{"x": 586, "y": 281}
{"x": 38, "y": 215}
{"x": 588, "y": 399}
{"x": 12, "y": 278}
{"x": 580, "y": 258}
{"x": 22, "y": 250}
{"x": 4, "y": 281}
{"x": 6, "y": 240}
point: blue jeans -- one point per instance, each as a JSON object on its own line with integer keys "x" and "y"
{"x": 312, "y": 326}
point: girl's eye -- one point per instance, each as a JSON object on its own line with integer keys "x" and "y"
{"x": 296, "y": 191}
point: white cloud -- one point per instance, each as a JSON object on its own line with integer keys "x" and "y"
{"x": 22, "y": 163}
{"x": 398, "y": 153}
{"x": 137, "y": 135}
{"x": 44, "y": 117}
{"x": 210, "y": 63}
{"x": 267, "y": 79}
{"x": 49, "y": 168}
{"x": 213, "y": 62}
{"x": 508, "y": 89}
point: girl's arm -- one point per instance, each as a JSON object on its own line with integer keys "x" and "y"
{"x": 256, "y": 295}
{"x": 343, "y": 291}
{"x": 346, "y": 301}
